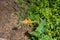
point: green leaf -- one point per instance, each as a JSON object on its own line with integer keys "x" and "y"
{"x": 41, "y": 27}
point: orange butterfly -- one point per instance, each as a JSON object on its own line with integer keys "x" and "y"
{"x": 27, "y": 21}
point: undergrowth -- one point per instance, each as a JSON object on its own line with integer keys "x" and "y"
{"x": 47, "y": 15}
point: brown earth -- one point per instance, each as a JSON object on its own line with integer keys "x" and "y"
{"x": 8, "y": 22}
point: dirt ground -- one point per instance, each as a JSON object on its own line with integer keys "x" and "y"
{"x": 8, "y": 22}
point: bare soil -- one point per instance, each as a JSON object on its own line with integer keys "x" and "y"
{"x": 8, "y": 22}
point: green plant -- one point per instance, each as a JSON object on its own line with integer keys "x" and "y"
{"x": 38, "y": 10}
{"x": 38, "y": 33}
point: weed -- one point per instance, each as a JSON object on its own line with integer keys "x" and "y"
{"x": 48, "y": 10}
